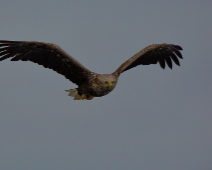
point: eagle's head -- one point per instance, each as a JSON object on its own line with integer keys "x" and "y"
{"x": 108, "y": 82}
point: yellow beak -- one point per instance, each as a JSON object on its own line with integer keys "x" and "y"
{"x": 109, "y": 84}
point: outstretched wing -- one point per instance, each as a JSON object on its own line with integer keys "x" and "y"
{"x": 162, "y": 53}
{"x": 49, "y": 55}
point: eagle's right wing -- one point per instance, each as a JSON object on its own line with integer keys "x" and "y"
{"x": 49, "y": 55}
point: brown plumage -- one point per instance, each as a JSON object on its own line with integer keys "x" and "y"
{"x": 90, "y": 84}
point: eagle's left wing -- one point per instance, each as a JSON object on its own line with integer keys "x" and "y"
{"x": 162, "y": 53}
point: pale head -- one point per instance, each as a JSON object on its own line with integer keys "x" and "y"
{"x": 108, "y": 80}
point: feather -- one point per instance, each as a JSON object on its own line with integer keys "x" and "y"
{"x": 162, "y": 53}
{"x": 46, "y": 54}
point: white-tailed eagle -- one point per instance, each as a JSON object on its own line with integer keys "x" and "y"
{"x": 90, "y": 84}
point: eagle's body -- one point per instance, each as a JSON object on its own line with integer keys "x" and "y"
{"x": 90, "y": 84}
{"x": 98, "y": 85}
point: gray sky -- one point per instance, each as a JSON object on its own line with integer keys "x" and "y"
{"x": 154, "y": 119}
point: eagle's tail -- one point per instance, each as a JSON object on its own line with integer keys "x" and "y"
{"x": 74, "y": 93}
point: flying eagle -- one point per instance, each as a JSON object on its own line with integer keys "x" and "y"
{"x": 90, "y": 84}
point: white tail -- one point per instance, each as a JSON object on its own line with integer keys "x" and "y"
{"x": 74, "y": 93}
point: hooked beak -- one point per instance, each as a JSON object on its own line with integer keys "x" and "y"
{"x": 109, "y": 84}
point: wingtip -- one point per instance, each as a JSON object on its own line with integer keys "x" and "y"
{"x": 177, "y": 47}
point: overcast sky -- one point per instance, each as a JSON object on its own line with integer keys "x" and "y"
{"x": 154, "y": 119}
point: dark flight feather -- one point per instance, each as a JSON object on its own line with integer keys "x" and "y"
{"x": 49, "y": 55}
{"x": 162, "y": 53}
